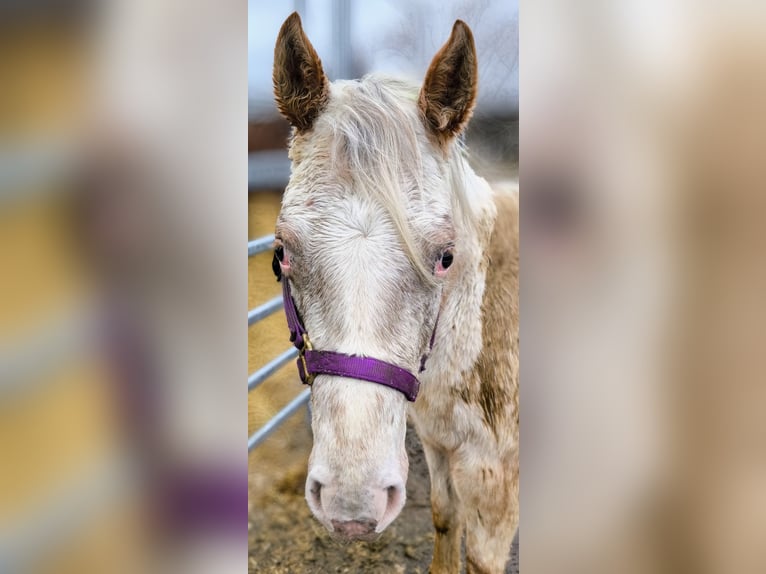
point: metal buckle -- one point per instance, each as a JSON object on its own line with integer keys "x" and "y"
{"x": 309, "y": 378}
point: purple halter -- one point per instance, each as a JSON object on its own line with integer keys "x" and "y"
{"x": 312, "y": 362}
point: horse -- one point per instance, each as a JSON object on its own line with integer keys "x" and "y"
{"x": 396, "y": 258}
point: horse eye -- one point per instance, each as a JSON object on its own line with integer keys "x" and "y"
{"x": 446, "y": 259}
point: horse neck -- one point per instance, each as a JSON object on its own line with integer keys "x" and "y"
{"x": 459, "y": 335}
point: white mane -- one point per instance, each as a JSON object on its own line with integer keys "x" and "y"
{"x": 377, "y": 141}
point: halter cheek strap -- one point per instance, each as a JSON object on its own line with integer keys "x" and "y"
{"x": 312, "y": 362}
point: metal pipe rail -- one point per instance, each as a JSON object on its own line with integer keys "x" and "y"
{"x": 270, "y": 368}
{"x": 262, "y": 311}
{"x": 260, "y": 245}
{"x": 262, "y": 433}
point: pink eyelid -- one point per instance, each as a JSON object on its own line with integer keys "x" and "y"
{"x": 285, "y": 263}
{"x": 439, "y": 270}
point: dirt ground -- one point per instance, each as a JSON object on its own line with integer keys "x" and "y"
{"x": 283, "y": 535}
{"x": 285, "y": 538}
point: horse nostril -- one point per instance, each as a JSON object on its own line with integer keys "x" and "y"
{"x": 315, "y": 489}
{"x": 394, "y": 497}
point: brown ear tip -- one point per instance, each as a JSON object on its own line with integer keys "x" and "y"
{"x": 462, "y": 28}
{"x": 292, "y": 22}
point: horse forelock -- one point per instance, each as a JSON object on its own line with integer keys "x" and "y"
{"x": 371, "y": 140}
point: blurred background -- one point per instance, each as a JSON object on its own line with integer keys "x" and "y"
{"x": 642, "y": 386}
{"x": 122, "y": 286}
{"x": 393, "y": 37}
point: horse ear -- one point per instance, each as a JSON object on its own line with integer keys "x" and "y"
{"x": 300, "y": 85}
{"x": 448, "y": 94}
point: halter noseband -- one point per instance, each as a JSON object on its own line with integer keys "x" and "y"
{"x": 312, "y": 362}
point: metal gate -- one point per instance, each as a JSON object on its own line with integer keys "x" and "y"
{"x": 255, "y": 379}
{"x": 270, "y": 169}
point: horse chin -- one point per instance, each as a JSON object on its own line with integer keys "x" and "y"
{"x": 348, "y": 538}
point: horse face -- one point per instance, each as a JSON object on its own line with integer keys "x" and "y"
{"x": 358, "y": 293}
{"x": 365, "y": 236}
